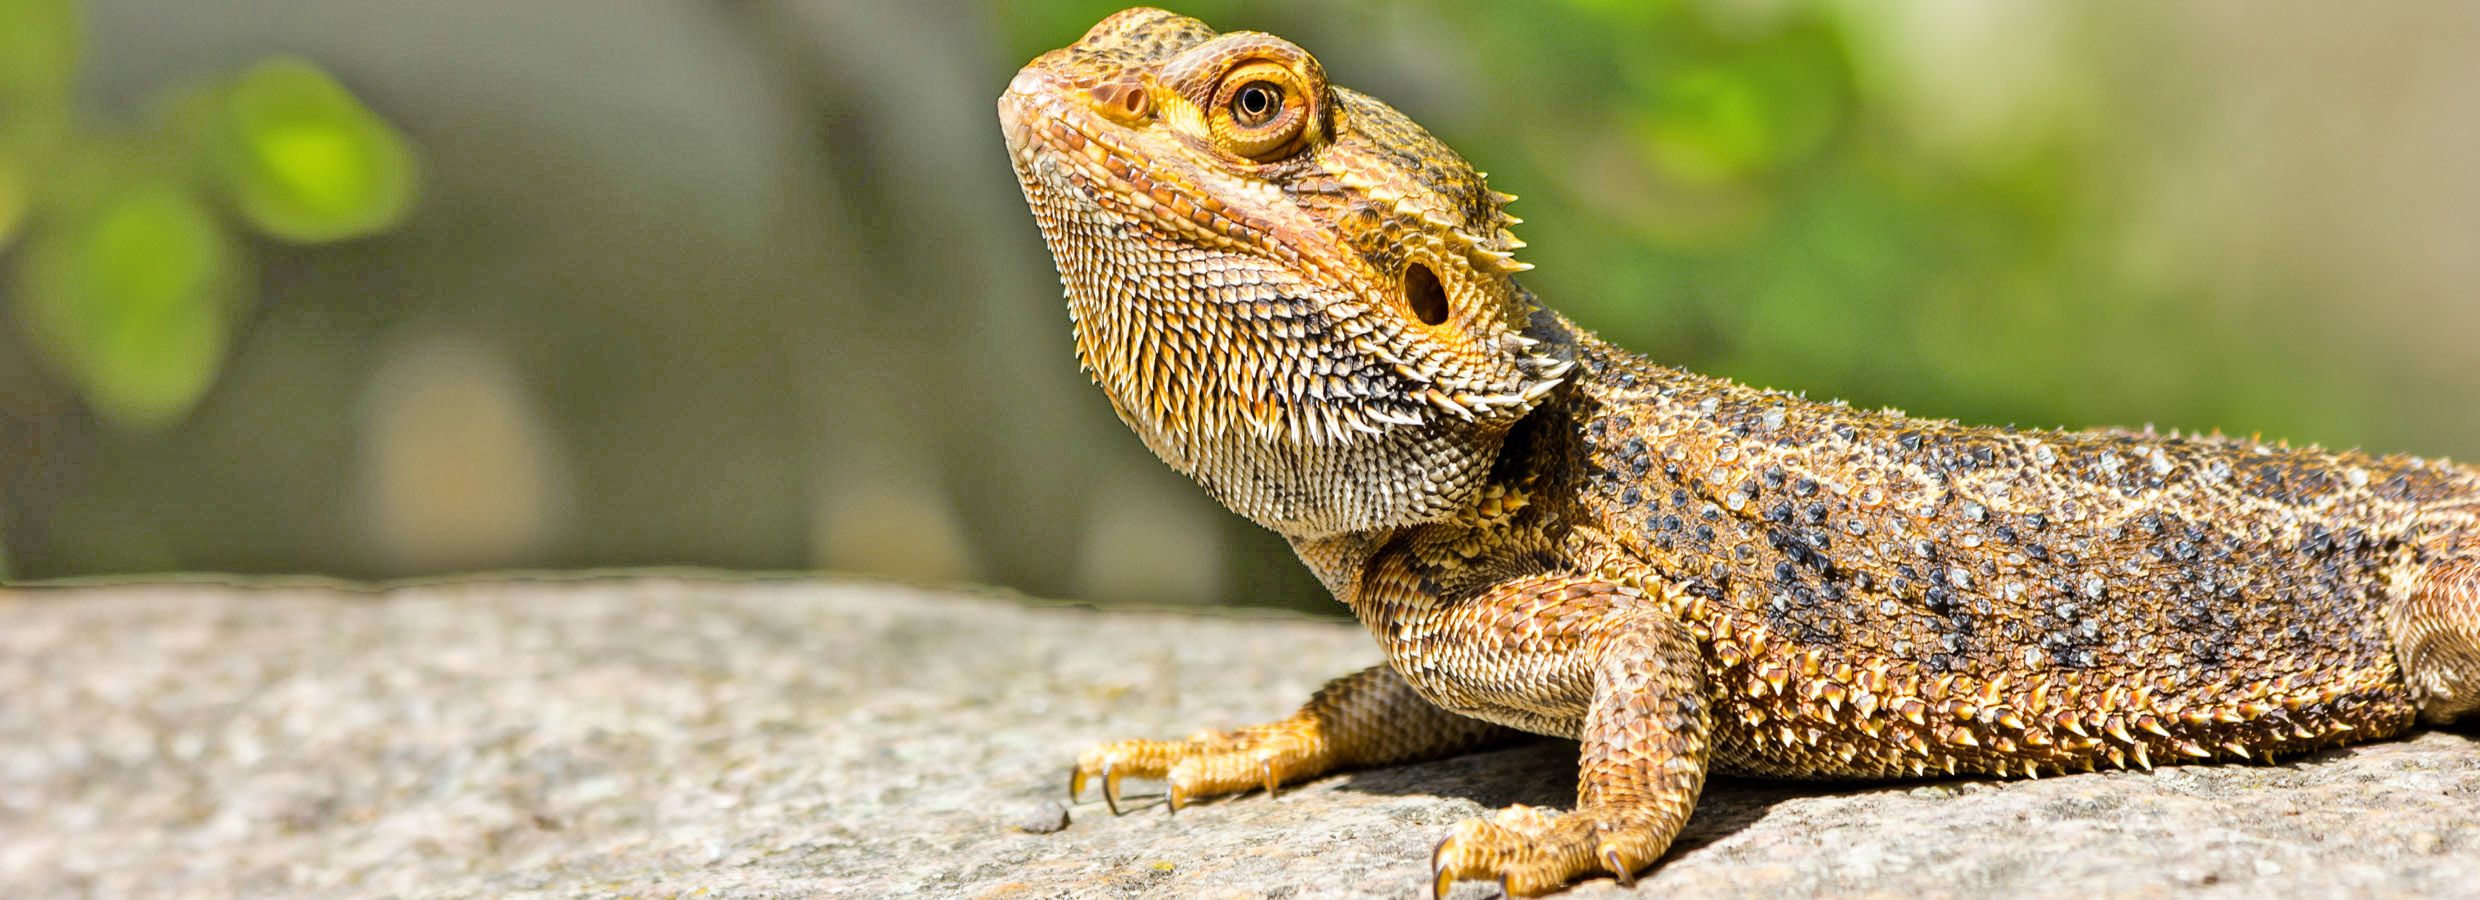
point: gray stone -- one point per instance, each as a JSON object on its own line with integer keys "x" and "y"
{"x": 1046, "y": 817}
{"x": 658, "y": 736}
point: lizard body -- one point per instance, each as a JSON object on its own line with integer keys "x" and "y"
{"x": 1299, "y": 298}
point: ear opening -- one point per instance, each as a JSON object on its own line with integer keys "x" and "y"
{"x": 1424, "y": 295}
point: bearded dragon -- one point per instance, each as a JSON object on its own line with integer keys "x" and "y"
{"x": 1306, "y": 303}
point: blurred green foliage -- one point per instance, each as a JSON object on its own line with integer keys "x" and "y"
{"x": 15, "y": 196}
{"x": 38, "y": 50}
{"x": 38, "y": 53}
{"x": 131, "y": 281}
{"x": 304, "y": 161}
{"x": 130, "y": 294}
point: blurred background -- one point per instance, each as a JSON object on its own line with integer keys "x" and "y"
{"x": 381, "y": 289}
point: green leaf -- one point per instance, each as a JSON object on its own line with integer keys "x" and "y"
{"x": 304, "y": 161}
{"x": 129, "y": 299}
{"x": 38, "y": 56}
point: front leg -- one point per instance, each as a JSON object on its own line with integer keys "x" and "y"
{"x": 1368, "y": 718}
{"x": 1646, "y": 733}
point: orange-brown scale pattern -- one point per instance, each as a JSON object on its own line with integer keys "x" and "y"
{"x": 1881, "y": 595}
{"x": 1299, "y": 298}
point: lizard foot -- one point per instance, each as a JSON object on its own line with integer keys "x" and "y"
{"x": 1208, "y": 764}
{"x": 1531, "y": 851}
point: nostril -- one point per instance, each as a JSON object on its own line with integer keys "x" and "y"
{"x": 1124, "y": 101}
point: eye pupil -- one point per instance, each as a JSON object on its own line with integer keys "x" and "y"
{"x": 1256, "y": 102}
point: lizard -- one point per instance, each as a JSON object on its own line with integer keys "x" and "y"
{"x": 1305, "y": 302}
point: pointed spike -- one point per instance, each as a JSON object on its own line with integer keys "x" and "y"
{"x": 2118, "y": 730}
{"x": 1444, "y": 402}
{"x": 1774, "y": 677}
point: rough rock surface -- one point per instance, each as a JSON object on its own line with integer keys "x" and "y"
{"x": 660, "y": 737}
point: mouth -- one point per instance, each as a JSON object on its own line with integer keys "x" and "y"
{"x": 1045, "y": 141}
{"x": 1021, "y": 108}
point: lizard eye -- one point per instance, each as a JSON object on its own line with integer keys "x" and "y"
{"x": 1260, "y": 112}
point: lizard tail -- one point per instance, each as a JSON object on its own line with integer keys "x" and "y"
{"x": 2436, "y": 631}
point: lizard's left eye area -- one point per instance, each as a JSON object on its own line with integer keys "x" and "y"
{"x": 1261, "y": 112}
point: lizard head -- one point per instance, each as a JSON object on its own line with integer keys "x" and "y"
{"x": 1294, "y": 294}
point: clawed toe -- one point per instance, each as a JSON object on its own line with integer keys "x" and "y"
{"x": 1618, "y": 869}
{"x": 1208, "y": 765}
{"x": 1530, "y": 852}
{"x": 1111, "y": 770}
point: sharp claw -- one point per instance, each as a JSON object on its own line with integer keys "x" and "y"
{"x": 1440, "y": 885}
{"x": 1171, "y": 799}
{"x": 1503, "y": 889}
{"x": 1610, "y": 860}
{"x": 1076, "y": 783}
{"x": 1440, "y": 881}
{"x": 1270, "y": 779}
{"x": 1110, "y": 788}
